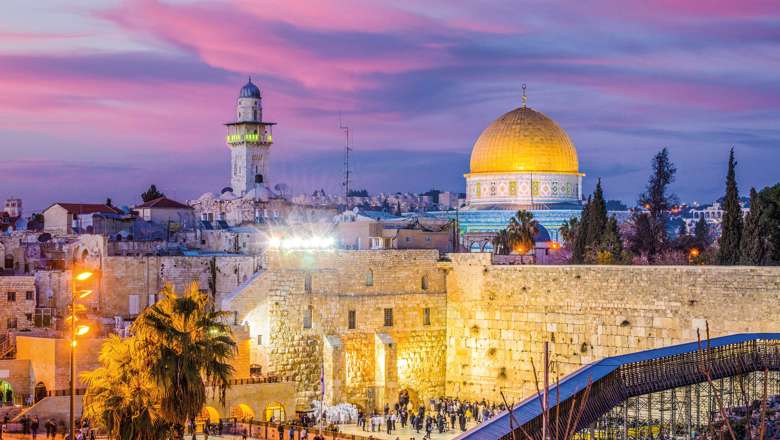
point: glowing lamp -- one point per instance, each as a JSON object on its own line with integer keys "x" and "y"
{"x": 84, "y": 293}
{"x": 83, "y": 276}
{"x": 82, "y": 330}
{"x": 694, "y": 252}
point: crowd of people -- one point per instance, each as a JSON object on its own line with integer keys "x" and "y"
{"x": 32, "y": 426}
{"x": 441, "y": 415}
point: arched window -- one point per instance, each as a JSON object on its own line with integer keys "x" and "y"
{"x": 370, "y": 277}
{"x": 307, "y": 283}
{"x": 424, "y": 282}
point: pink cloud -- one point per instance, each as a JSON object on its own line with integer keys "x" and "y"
{"x": 241, "y": 39}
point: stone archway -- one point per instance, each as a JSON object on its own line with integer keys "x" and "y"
{"x": 275, "y": 410}
{"x": 242, "y": 412}
{"x": 209, "y": 413}
{"x": 40, "y": 391}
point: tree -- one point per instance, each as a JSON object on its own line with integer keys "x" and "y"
{"x": 580, "y": 240}
{"x": 649, "y": 236}
{"x": 151, "y": 194}
{"x": 597, "y": 218}
{"x": 187, "y": 349}
{"x": 731, "y": 226}
{"x": 121, "y": 396}
{"x": 769, "y": 198}
{"x": 701, "y": 234}
{"x": 753, "y": 247}
{"x": 518, "y": 236}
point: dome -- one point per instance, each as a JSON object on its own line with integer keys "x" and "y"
{"x": 524, "y": 140}
{"x": 542, "y": 234}
{"x": 250, "y": 90}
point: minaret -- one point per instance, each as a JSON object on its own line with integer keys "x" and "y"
{"x": 249, "y": 140}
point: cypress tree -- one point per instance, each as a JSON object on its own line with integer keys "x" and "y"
{"x": 597, "y": 220}
{"x": 580, "y": 245}
{"x": 754, "y": 237}
{"x": 731, "y": 227}
{"x": 650, "y": 236}
{"x": 701, "y": 234}
{"x": 683, "y": 231}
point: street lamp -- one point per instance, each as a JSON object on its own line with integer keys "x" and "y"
{"x": 75, "y": 330}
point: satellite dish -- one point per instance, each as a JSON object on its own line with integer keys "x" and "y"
{"x": 355, "y": 210}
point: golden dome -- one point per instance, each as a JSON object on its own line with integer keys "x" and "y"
{"x": 524, "y": 140}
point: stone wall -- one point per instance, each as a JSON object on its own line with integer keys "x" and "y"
{"x": 123, "y": 276}
{"x": 325, "y": 286}
{"x": 17, "y": 302}
{"x": 498, "y": 317}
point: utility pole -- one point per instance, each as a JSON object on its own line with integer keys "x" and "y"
{"x": 347, "y": 150}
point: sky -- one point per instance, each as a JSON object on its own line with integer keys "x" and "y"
{"x": 100, "y": 98}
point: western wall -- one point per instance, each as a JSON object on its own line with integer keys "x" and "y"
{"x": 498, "y": 317}
{"x": 298, "y": 312}
{"x": 486, "y": 321}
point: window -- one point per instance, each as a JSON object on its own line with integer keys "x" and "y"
{"x": 424, "y": 282}
{"x": 28, "y": 316}
{"x": 307, "y": 317}
{"x": 307, "y": 283}
{"x": 351, "y": 320}
{"x": 28, "y": 295}
{"x": 428, "y": 238}
{"x": 11, "y": 323}
{"x": 427, "y": 316}
{"x": 11, "y": 296}
{"x": 370, "y": 278}
{"x": 408, "y": 239}
{"x": 259, "y": 339}
{"x": 388, "y": 317}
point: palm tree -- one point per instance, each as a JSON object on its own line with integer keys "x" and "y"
{"x": 121, "y": 396}
{"x": 518, "y": 235}
{"x": 187, "y": 348}
{"x": 523, "y": 228}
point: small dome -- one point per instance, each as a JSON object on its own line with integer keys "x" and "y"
{"x": 250, "y": 90}
{"x": 542, "y": 234}
{"x": 226, "y": 189}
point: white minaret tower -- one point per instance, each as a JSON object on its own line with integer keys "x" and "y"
{"x": 249, "y": 140}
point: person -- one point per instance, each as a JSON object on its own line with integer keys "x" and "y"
{"x": 243, "y": 434}
{"x": 303, "y": 434}
{"x": 389, "y": 423}
{"x": 291, "y": 432}
{"x": 34, "y": 425}
{"x": 280, "y": 428}
{"x": 206, "y": 429}
{"x": 452, "y": 420}
{"x": 220, "y": 427}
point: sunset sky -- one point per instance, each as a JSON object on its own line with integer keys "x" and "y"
{"x": 100, "y": 98}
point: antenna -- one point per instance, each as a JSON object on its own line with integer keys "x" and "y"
{"x": 347, "y": 149}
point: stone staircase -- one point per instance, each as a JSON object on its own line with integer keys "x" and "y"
{"x": 7, "y": 347}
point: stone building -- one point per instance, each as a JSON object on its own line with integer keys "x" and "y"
{"x": 17, "y": 304}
